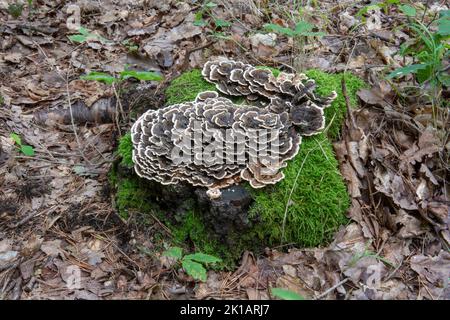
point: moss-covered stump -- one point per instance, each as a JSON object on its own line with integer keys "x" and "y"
{"x": 303, "y": 209}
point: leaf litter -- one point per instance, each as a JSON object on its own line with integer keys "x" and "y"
{"x": 393, "y": 159}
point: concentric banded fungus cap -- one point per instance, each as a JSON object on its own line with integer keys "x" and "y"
{"x": 167, "y": 147}
{"x": 237, "y": 78}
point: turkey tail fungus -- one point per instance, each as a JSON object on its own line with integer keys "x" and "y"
{"x": 212, "y": 142}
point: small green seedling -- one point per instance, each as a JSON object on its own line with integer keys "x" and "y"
{"x": 84, "y": 35}
{"x": 193, "y": 264}
{"x": 286, "y": 294}
{"x": 408, "y": 10}
{"x": 131, "y": 46}
{"x": 15, "y": 9}
{"x": 25, "y": 149}
{"x": 302, "y": 29}
{"x": 205, "y": 13}
{"x": 385, "y": 5}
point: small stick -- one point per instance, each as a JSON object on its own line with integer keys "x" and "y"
{"x": 331, "y": 289}
{"x": 347, "y": 101}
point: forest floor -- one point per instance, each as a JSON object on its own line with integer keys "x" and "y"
{"x": 58, "y": 224}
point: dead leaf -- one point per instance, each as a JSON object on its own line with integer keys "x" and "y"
{"x": 434, "y": 271}
{"x": 14, "y": 57}
{"x": 427, "y": 145}
{"x": 408, "y": 225}
{"x": 254, "y": 294}
{"x": 380, "y": 94}
{"x": 392, "y": 185}
{"x": 52, "y": 248}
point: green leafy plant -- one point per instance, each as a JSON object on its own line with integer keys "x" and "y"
{"x": 300, "y": 34}
{"x": 428, "y": 48}
{"x": 408, "y": 10}
{"x": 140, "y": 75}
{"x": 194, "y": 263}
{"x": 15, "y": 9}
{"x": 302, "y": 28}
{"x": 370, "y": 254}
{"x": 386, "y": 6}
{"x": 286, "y": 294}
{"x": 205, "y": 17}
{"x": 130, "y": 45}
{"x": 126, "y": 74}
{"x": 25, "y": 149}
{"x": 85, "y": 35}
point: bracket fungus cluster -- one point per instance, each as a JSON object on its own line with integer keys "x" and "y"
{"x": 212, "y": 142}
{"x": 236, "y": 78}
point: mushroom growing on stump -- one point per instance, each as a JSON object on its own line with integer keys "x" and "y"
{"x": 236, "y": 78}
{"x": 214, "y": 143}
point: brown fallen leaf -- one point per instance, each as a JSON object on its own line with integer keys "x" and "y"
{"x": 427, "y": 145}
{"x": 52, "y": 248}
{"x": 408, "y": 225}
{"x": 254, "y": 294}
{"x": 434, "y": 273}
{"x": 380, "y": 94}
{"x": 392, "y": 185}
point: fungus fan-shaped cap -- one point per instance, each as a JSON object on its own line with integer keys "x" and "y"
{"x": 158, "y": 136}
{"x": 202, "y": 96}
{"x": 308, "y": 118}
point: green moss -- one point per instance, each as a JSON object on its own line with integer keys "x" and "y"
{"x": 187, "y": 86}
{"x": 192, "y": 230}
{"x": 125, "y": 150}
{"x": 308, "y": 205}
{"x": 304, "y": 209}
{"x": 326, "y": 83}
{"x": 319, "y": 196}
{"x": 136, "y": 195}
{"x": 132, "y": 195}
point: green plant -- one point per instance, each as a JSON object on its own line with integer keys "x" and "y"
{"x": 286, "y": 294}
{"x": 193, "y": 264}
{"x": 123, "y": 75}
{"x": 368, "y": 253}
{"x": 408, "y": 10}
{"x": 25, "y": 149}
{"x": 429, "y": 49}
{"x": 131, "y": 46}
{"x": 206, "y": 17}
{"x": 302, "y": 29}
{"x": 385, "y": 5}
{"x": 2, "y": 100}
{"x": 85, "y": 35}
{"x": 15, "y": 9}
{"x": 300, "y": 34}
